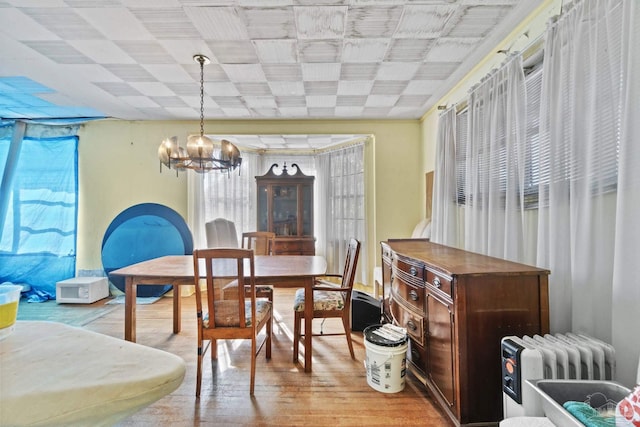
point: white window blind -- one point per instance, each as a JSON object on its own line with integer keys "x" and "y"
{"x": 462, "y": 123}
{"x": 568, "y": 164}
{"x": 590, "y": 84}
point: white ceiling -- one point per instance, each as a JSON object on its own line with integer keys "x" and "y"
{"x": 271, "y": 59}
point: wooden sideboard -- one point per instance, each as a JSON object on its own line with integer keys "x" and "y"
{"x": 456, "y": 307}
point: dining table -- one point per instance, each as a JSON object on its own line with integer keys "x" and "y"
{"x": 177, "y": 270}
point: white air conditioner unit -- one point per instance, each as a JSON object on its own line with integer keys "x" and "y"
{"x": 82, "y": 290}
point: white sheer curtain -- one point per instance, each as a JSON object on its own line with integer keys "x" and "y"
{"x": 495, "y": 163}
{"x": 219, "y": 195}
{"x": 340, "y": 182}
{"x": 445, "y": 190}
{"x": 581, "y": 96}
{"x": 626, "y": 268}
{"x": 589, "y": 203}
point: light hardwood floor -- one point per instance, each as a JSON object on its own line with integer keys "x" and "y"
{"x": 335, "y": 393}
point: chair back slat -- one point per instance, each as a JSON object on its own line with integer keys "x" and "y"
{"x": 350, "y": 264}
{"x": 262, "y": 242}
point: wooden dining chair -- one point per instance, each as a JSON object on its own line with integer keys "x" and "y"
{"x": 221, "y": 233}
{"x": 262, "y": 243}
{"x": 330, "y": 299}
{"x": 235, "y": 318}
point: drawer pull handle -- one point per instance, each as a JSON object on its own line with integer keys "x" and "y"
{"x": 415, "y": 355}
{"x": 436, "y": 283}
{"x": 413, "y": 295}
{"x": 413, "y": 271}
{"x": 412, "y": 325}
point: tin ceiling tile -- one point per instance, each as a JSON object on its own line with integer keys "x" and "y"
{"x": 234, "y": 52}
{"x": 218, "y": 23}
{"x": 364, "y": 50}
{"x": 320, "y": 22}
{"x": 423, "y": 21}
{"x": 377, "y": 22}
{"x": 269, "y": 23}
{"x": 170, "y": 23}
{"x": 320, "y": 50}
{"x": 277, "y": 51}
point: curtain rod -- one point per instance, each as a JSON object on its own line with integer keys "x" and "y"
{"x": 531, "y": 55}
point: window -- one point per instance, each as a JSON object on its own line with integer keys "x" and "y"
{"x": 342, "y": 216}
{"x": 537, "y": 150}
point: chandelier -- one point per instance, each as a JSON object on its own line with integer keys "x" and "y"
{"x": 201, "y": 154}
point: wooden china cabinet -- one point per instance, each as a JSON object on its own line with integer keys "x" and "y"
{"x": 285, "y": 207}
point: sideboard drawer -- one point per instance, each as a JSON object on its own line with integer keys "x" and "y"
{"x": 413, "y": 322}
{"x": 440, "y": 282}
{"x": 412, "y": 269}
{"x": 411, "y": 294}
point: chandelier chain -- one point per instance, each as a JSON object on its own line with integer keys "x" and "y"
{"x": 201, "y": 61}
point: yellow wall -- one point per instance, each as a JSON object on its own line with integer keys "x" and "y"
{"x": 118, "y": 168}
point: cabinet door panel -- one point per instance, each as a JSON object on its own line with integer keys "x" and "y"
{"x": 418, "y": 356}
{"x": 285, "y": 208}
{"x": 440, "y": 347}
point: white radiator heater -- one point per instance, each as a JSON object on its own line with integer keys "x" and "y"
{"x": 559, "y": 356}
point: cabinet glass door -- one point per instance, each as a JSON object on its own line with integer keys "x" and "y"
{"x": 285, "y": 210}
{"x": 263, "y": 208}
{"x": 307, "y": 210}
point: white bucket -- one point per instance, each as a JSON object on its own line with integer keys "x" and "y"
{"x": 386, "y": 361}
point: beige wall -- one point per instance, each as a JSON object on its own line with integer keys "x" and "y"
{"x": 118, "y": 168}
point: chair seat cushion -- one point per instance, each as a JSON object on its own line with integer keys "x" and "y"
{"x": 227, "y": 313}
{"x": 322, "y": 300}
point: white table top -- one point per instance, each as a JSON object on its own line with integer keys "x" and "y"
{"x": 55, "y": 374}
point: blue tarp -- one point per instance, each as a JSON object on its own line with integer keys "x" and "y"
{"x": 38, "y": 239}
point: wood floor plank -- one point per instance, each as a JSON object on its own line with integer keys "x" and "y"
{"x": 336, "y": 393}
